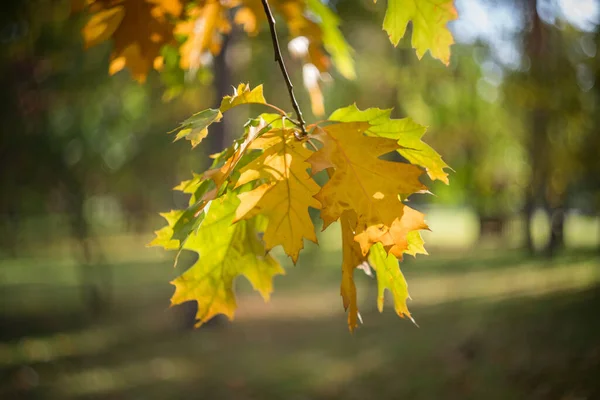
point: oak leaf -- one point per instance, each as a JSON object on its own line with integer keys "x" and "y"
{"x": 389, "y": 277}
{"x": 352, "y": 258}
{"x": 139, "y": 29}
{"x": 243, "y": 95}
{"x": 407, "y": 132}
{"x": 207, "y": 22}
{"x": 164, "y": 236}
{"x": 285, "y": 195}
{"x": 195, "y": 128}
{"x": 429, "y": 25}
{"x": 395, "y": 238}
{"x": 226, "y": 250}
{"x": 361, "y": 182}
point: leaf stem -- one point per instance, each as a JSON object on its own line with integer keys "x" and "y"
{"x": 279, "y": 60}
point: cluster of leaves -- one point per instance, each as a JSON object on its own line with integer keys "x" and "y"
{"x": 258, "y": 192}
{"x": 140, "y": 28}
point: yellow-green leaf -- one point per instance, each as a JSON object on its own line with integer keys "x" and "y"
{"x": 225, "y": 250}
{"x": 389, "y": 277}
{"x": 429, "y": 25}
{"x": 333, "y": 39}
{"x": 195, "y": 128}
{"x": 164, "y": 236}
{"x": 243, "y": 95}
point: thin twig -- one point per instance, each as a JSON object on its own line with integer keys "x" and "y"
{"x": 279, "y": 60}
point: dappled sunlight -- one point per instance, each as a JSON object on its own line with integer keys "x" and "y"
{"x": 114, "y": 378}
{"x": 444, "y": 287}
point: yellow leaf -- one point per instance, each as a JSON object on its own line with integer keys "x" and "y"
{"x": 243, "y": 95}
{"x": 361, "y": 182}
{"x": 287, "y": 194}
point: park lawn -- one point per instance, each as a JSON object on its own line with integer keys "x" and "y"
{"x": 492, "y": 326}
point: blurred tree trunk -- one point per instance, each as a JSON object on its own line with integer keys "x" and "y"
{"x": 537, "y": 49}
{"x": 557, "y": 228}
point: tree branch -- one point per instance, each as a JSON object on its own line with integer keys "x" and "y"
{"x": 279, "y": 60}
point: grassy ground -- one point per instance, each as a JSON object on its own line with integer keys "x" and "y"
{"x": 493, "y": 325}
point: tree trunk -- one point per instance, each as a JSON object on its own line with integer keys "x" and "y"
{"x": 557, "y": 227}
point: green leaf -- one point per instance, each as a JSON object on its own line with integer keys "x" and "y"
{"x": 243, "y": 95}
{"x": 225, "y": 251}
{"x": 407, "y": 132}
{"x": 429, "y": 25}
{"x": 333, "y": 39}
{"x": 389, "y": 277}
{"x": 195, "y": 128}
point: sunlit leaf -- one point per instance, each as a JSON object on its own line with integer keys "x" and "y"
{"x": 429, "y": 25}
{"x": 243, "y": 95}
{"x": 351, "y": 259}
{"x": 195, "y": 128}
{"x": 407, "y": 132}
{"x": 361, "y": 182}
{"x": 285, "y": 195}
{"x": 138, "y": 29}
{"x": 226, "y": 251}
{"x": 389, "y": 277}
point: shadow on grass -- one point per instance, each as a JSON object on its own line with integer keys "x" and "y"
{"x": 529, "y": 348}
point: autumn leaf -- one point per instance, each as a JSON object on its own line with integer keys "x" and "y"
{"x": 429, "y": 25}
{"x": 226, "y": 250}
{"x": 221, "y": 174}
{"x": 285, "y": 195}
{"x": 416, "y": 244}
{"x": 164, "y": 236}
{"x": 361, "y": 182}
{"x": 407, "y": 132}
{"x": 102, "y": 25}
{"x": 389, "y": 277}
{"x": 204, "y": 27}
{"x": 195, "y": 128}
{"x": 351, "y": 259}
{"x": 243, "y": 95}
{"x": 138, "y": 28}
{"x": 395, "y": 238}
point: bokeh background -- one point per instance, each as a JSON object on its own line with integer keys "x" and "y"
{"x": 507, "y": 301}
